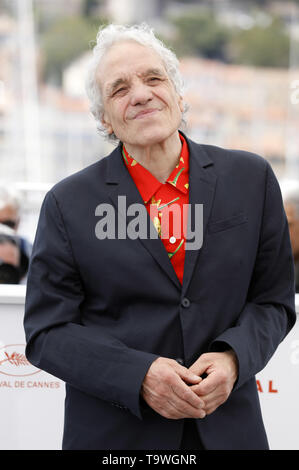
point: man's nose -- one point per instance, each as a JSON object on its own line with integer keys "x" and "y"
{"x": 140, "y": 94}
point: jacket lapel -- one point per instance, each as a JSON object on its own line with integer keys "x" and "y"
{"x": 202, "y": 182}
{"x": 122, "y": 185}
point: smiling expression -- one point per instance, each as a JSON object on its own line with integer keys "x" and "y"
{"x": 141, "y": 105}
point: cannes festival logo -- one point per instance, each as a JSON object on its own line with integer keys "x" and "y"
{"x": 13, "y": 361}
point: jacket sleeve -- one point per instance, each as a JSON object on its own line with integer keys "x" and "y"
{"x": 269, "y": 313}
{"x": 57, "y": 340}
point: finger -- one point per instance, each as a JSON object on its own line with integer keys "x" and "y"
{"x": 186, "y": 408}
{"x": 215, "y": 397}
{"x": 201, "y": 366}
{"x": 208, "y": 385}
{"x": 187, "y": 375}
{"x": 170, "y": 411}
{"x": 172, "y": 406}
{"x": 213, "y": 401}
{"x": 184, "y": 393}
{"x": 181, "y": 409}
{"x": 176, "y": 392}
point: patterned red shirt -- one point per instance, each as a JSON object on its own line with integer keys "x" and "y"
{"x": 160, "y": 198}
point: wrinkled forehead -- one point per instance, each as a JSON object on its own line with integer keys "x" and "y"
{"x": 125, "y": 59}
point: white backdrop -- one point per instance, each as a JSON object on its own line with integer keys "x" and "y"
{"x": 32, "y": 401}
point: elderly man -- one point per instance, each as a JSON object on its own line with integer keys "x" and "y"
{"x": 157, "y": 337}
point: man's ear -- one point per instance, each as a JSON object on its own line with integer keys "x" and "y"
{"x": 106, "y": 123}
{"x": 181, "y": 104}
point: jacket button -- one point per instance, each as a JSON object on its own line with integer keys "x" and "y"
{"x": 185, "y": 302}
{"x": 180, "y": 360}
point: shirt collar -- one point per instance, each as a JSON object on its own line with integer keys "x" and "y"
{"x": 148, "y": 185}
{"x": 179, "y": 177}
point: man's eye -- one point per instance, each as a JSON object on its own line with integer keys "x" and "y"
{"x": 154, "y": 79}
{"x": 119, "y": 91}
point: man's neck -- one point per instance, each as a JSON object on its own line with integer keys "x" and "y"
{"x": 159, "y": 159}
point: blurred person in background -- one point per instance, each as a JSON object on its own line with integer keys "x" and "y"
{"x": 158, "y": 341}
{"x": 10, "y": 214}
{"x": 290, "y": 194}
{"x": 10, "y": 256}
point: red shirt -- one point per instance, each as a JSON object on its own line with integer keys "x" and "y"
{"x": 168, "y": 199}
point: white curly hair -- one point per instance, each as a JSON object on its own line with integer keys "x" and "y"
{"x": 112, "y": 34}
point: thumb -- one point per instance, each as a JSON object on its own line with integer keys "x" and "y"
{"x": 188, "y": 376}
{"x": 199, "y": 367}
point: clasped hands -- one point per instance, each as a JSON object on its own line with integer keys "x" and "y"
{"x": 176, "y": 392}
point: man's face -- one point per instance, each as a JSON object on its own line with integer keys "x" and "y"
{"x": 140, "y": 103}
{"x": 293, "y": 221}
{"x": 9, "y": 216}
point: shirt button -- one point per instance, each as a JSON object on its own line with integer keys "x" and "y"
{"x": 185, "y": 302}
{"x": 172, "y": 240}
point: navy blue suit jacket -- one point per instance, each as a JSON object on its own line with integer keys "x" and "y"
{"x": 99, "y": 312}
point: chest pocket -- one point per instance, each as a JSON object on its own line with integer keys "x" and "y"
{"x": 225, "y": 224}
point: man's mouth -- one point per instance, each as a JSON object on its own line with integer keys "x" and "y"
{"x": 145, "y": 113}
